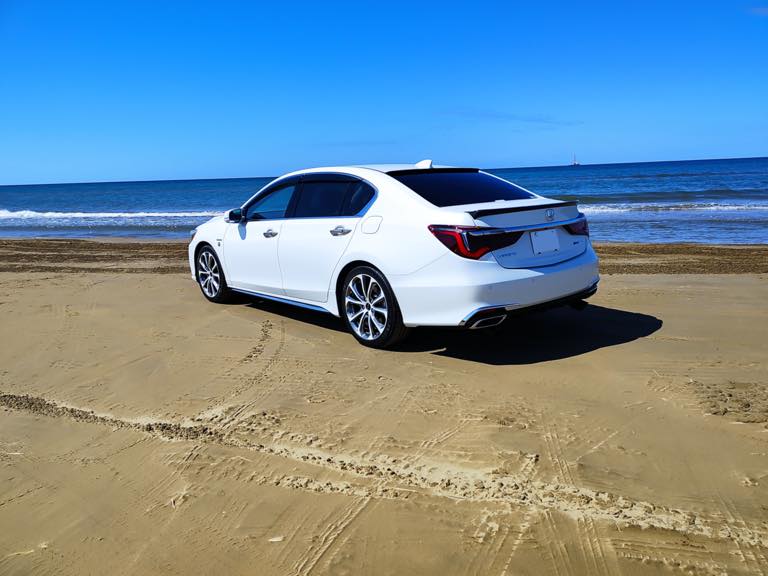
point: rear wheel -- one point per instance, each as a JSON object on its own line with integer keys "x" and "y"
{"x": 210, "y": 276}
{"x": 369, "y": 308}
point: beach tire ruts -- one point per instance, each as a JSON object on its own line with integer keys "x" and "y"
{"x": 210, "y": 275}
{"x": 369, "y": 308}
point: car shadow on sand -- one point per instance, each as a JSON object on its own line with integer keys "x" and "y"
{"x": 538, "y": 336}
{"x": 523, "y": 339}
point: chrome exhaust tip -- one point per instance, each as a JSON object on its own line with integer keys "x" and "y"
{"x": 488, "y": 322}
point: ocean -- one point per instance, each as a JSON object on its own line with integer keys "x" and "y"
{"x": 705, "y": 201}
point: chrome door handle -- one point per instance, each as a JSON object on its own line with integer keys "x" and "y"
{"x": 270, "y": 233}
{"x": 340, "y": 231}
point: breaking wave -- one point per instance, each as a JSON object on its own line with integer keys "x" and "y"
{"x": 659, "y": 207}
{"x": 32, "y": 214}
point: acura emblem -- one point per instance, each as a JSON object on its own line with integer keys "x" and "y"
{"x": 549, "y": 214}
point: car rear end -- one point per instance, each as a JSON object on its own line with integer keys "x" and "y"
{"x": 513, "y": 251}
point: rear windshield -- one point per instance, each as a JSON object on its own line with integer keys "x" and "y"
{"x": 454, "y": 187}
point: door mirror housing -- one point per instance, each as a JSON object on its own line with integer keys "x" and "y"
{"x": 235, "y": 215}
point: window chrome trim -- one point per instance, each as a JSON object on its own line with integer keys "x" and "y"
{"x": 362, "y": 212}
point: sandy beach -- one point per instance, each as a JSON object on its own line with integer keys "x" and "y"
{"x": 144, "y": 430}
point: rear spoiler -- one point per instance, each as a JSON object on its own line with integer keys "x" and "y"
{"x": 489, "y": 212}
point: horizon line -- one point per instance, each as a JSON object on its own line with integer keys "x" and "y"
{"x": 580, "y": 165}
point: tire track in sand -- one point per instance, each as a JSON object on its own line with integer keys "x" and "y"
{"x": 445, "y": 480}
{"x": 595, "y": 556}
{"x": 228, "y": 413}
{"x": 239, "y": 413}
{"x": 751, "y": 555}
{"x": 310, "y": 558}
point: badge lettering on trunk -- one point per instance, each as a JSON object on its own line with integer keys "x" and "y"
{"x": 549, "y": 214}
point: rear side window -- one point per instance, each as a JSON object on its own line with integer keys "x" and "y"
{"x": 339, "y": 195}
{"x": 455, "y": 187}
{"x": 321, "y": 199}
{"x": 358, "y": 196}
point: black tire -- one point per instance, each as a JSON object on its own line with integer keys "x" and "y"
{"x": 367, "y": 323}
{"x": 210, "y": 276}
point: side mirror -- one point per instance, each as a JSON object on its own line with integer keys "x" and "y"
{"x": 235, "y": 215}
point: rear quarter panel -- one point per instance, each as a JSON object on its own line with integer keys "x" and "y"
{"x": 402, "y": 243}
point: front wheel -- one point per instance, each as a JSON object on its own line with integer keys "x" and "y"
{"x": 369, "y": 309}
{"x": 210, "y": 276}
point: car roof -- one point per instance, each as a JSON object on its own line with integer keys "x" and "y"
{"x": 364, "y": 170}
{"x": 425, "y": 165}
{"x": 386, "y": 168}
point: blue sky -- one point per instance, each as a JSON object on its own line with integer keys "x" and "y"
{"x": 164, "y": 90}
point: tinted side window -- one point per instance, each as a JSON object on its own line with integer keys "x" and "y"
{"x": 451, "y": 188}
{"x": 321, "y": 199}
{"x": 272, "y": 206}
{"x": 358, "y": 196}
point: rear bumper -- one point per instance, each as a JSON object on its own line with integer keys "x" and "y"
{"x": 452, "y": 291}
{"x": 496, "y": 314}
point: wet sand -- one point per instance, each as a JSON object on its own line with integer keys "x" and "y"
{"x": 144, "y": 430}
{"x": 158, "y": 257}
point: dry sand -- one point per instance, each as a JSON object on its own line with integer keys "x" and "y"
{"x": 144, "y": 430}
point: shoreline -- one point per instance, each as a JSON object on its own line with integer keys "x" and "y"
{"x": 183, "y": 240}
{"x": 158, "y": 256}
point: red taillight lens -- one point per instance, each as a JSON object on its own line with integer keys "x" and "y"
{"x": 454, "y": 238}
{"x": 580, "y": 228}
{"x": 473, "y": 242}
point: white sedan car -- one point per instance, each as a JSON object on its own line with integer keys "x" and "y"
{"x": 390, "y": 247}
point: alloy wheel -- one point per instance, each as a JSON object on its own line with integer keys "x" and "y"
{"x": 366, "y": 307}
{"x": 208, "y": 273}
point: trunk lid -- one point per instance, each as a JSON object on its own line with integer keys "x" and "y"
{"x": 543, "y": 242}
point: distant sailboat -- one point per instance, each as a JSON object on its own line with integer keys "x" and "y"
{"x": 575, "y": 162}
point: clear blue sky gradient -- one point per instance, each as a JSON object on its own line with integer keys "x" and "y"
{"x": 93, "y": 91}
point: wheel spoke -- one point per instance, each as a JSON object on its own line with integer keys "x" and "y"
{"x": 355, "y": 301}
{"x": 382, "y": 311}
{"x": 356, "y": 292}
{"x": 356, "y": 314}
{"x": 379, "y": 325}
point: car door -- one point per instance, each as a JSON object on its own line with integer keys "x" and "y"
{"x": 250, "y": 246}
{"x": 325, "y": 213}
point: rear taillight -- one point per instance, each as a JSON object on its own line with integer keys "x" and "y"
{"x": 473, "y": 242}
{"x": 580, "y": 228}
